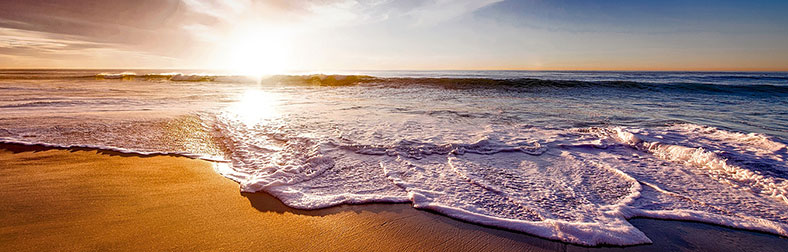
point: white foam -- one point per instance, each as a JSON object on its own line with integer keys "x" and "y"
{"x": 716, "y": 166}
{"x": 578, "y": 186}
{"x": 739, "y": 221}
{"x": 116, "y": 75}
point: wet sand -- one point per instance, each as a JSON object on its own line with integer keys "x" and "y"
{"x": 82, "y": 199}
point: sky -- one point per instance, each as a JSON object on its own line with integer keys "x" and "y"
{"x": 277, "y": 36}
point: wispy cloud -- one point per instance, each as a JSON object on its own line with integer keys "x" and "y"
{"x": 433, "y": 12}
{"x": 54, "y": 30}
{"x": 364, "y": 34}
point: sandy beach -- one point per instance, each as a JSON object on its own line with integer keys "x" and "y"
{"x": 65, "y": 199}
{"x": 474, "y": 125}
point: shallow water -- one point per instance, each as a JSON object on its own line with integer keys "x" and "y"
{"x": 563, "y": 155}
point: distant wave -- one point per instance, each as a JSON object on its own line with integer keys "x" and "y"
{"x": 706, "y": 84}
{"x": 174, "y": 76}
{"x": 533, "y": 85}
{"x": 157, "y": 76}
{"x": 750, "y": 77}
{"x": 525, "y": 84}
{"x": 44, "y": 104}
{"x": 537, "y": 84}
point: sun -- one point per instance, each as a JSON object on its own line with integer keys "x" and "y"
{"x": 257, "y": 52}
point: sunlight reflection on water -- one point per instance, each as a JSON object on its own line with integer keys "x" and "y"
{"x": 255, "y": 106}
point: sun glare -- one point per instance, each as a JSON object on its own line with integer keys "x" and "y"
{"x": 255, "y": 106}
{"x": 257, "y": 52}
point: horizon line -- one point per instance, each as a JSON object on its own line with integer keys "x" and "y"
{"x": 409, "y": 70}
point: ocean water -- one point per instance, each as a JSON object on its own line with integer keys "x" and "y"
{"x": 568, "y": 156}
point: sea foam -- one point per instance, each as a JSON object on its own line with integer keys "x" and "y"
{"x": 575, "y": 185}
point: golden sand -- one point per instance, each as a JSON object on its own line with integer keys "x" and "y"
{"x": 57, "y": 199}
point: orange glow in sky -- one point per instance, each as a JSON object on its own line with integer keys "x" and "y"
{"x": 259, "y": 37}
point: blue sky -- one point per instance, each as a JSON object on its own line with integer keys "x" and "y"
{"x": 280, "y": 36}
{"x": 643, "y": 16}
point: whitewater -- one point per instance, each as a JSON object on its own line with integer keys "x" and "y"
{"x": 568, "y": 156}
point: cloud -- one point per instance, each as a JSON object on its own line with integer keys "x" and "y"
{"x": 364, "y": 34}
{"x": 41, "y": 28}
{"x": 105, "y": 21}
{"x": 191, "y": 29}
{"x": 434, "y": 12}
{"x": 337, "y": 12}
{"x": 15, "y": 41}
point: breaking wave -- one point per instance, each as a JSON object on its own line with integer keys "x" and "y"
{"x": 747, "y": 84}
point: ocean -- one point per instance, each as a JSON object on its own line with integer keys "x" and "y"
{"x": 563, "y": 155}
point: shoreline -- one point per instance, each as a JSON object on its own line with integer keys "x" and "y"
{"x": 87, "y": 199}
